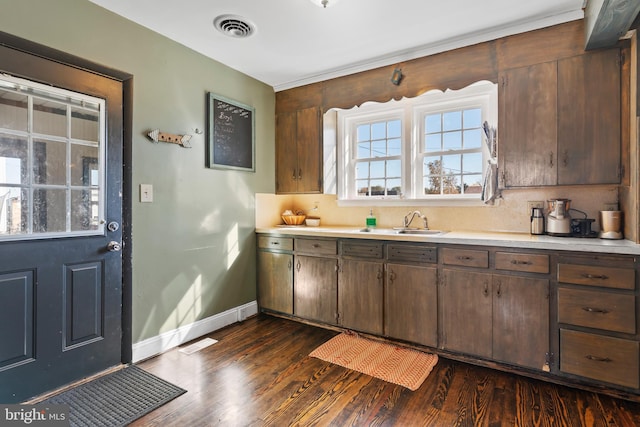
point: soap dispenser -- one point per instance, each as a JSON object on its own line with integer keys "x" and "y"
{"x": 371, "y": 220}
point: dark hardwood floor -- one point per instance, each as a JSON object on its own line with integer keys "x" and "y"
{"x": 259, "y": 374}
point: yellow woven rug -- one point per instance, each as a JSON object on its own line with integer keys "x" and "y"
{"x": 397, "y": 365}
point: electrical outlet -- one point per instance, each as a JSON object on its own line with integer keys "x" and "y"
{"x": 610, "y": 207}
{"x": 534, "y": 204}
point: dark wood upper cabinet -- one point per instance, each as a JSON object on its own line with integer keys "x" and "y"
{"x": 299, "y": 151}
{"x": 527, "y": 125}
{"x": 589, "y": 118}
{"x": 560, "y": 122}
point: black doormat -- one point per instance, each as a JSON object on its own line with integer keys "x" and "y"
{"x": 116, "y": 399}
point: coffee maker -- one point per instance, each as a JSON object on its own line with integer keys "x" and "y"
{"x": 558, "y": 219}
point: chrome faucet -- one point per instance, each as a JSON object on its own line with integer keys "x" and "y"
{"x": 411, "y": 215}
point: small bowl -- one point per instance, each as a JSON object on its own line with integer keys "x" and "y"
{"x": 312, "y": 222}
{"x": 293, "y": 219}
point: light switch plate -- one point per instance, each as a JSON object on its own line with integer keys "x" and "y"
{"x": 146, "y": 193}
{"x": 534, "y": 204}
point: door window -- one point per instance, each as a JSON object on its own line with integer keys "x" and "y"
{"x": 51, "y": 161}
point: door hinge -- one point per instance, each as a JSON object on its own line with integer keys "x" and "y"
{"x": 549, "y": 360}
{"x": 621, "y": 59}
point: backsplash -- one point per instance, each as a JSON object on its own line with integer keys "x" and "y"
{"x": 510, "y": 214}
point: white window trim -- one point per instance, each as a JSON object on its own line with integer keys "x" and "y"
{"x": 411, "y": 111}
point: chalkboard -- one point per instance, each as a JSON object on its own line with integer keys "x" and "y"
{"x": 230, "y": 134}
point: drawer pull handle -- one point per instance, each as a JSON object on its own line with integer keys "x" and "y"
{"x": 275, "y": 243}
{"x": 595, "y": 310}
{"x": 516, "y": 262}
{"x": 598, "y": 359}
{"x": 595, "y": 276}
{"x": 465, "y": 258}
{"x": 315, "y": 245}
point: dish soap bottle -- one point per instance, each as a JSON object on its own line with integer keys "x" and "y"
{"x": 371, "y": 220}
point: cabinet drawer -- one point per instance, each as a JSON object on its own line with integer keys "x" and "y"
{"x": 595, "y": 275}
{"x": 531, "y": 263}
{"x": 596, "y": 309}
{"x": 411, "y": 253}
{"x": 269, "y": 242}
{"x": 315, "y": 246}
{"x": 371, "y": 250}
{"x": 608, "y": 359}
{"x": 465, "y": 257}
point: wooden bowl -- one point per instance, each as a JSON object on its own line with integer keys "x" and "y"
{"x": 293, "y": 219}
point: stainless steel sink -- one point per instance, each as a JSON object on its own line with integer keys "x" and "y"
{"x": 400, "y": 231}
{"x": 418, "y": 231}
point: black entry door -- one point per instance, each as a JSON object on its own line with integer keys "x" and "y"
{"x": 60, "y": 216}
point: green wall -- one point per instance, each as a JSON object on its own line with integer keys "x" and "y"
{"x": 194, "y": 246}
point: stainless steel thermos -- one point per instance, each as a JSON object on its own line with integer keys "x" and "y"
{"x": 537, "y": 221}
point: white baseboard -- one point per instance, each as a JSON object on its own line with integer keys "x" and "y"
{"x": 163, "y": 342}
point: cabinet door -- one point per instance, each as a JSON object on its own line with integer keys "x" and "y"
{"x": 316, "y": 288}
{"x": 360, "y": 295}
{"x": 309, "y": 146}
{"x": 275, "y": 281}
{"x": 466, "y": 312}
{"x": 411, "y": 299}
{"x": 286, "y": 153}
{"x": 520, "y": 320}
{"x": 589, "y": 118}
{"x": 527, "y": 126}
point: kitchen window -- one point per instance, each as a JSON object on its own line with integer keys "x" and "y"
{"x": 428, "y": 148}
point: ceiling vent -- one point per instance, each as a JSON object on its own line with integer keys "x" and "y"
{"x": 234, "y": 26}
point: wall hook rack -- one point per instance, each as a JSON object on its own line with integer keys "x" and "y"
{"x": 181, "y": 140}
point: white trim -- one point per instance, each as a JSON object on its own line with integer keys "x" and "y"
{"x": 168, "y": 340}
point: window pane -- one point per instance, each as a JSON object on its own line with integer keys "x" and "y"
{"x": 432, "y": 185}
{"x": 452, "y": 120}
{"x": 84, "y": 160}
{"x": 394, "y": 168}
{"x": 452, "y": 164}
{"x": 49, "y": 117}
{"x": 363, "y": 187}
{"x": 13, "y": 110}
{"x": 452, "y": 140}
{"x": 377, "y": 169}
{"x": 362, "y": 170}
{"x": 364, "y": 150}
{"x": 379, "y": 148}
{"x": 84, "y": 210}
{"x": 85, "y": 124}
{"x": 394, "y": 187}
{"x": 472, "y": 118}
{"x": 451, "y": 184}
{"x": 472, "y": 138}
{"x": 364, "y": 133}
{"x": 394, "y": 129}
{"x": 379, "y": 130}
{"x": 49, "y": 210}
{"x": 49, "y": 162}
{"x": 432, "y": 123}
{"x": 377, "y": 187}
{"x": 472, "y": 163}
{"x": 433, "y": 142}
{"x": 472, "y": 184}
{"x": 13, "y": 210}
{"x": 13, "y": 160}
{"x": 432, "y": 165}
{"x": 394, "y": 147}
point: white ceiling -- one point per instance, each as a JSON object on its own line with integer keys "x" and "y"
{"x": 296, "y": 42}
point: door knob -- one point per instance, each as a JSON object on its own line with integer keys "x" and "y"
{"x": 114, "y": 246}
{"x": 113, "y": 226}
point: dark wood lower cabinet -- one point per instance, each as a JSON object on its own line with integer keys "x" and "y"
{"x": 360, "y": 295}
{"x": 411, "y": 303}
{"x": 275, "y": 281}
{"x": 316, "y": 288}
{"x": 567, "y": 317}
{"x": 465, "y": 303}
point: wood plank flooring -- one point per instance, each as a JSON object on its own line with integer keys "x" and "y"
{"x": 259, "y": 374}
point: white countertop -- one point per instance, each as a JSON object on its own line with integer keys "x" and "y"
{"x": 512, "y": 240}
